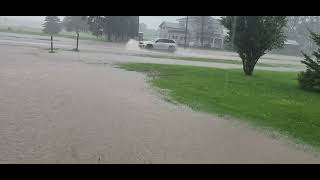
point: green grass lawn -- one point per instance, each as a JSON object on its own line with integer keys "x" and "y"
{"x": 193, "y": 59}
{"x": 267, "y": 99}
{"x": 201, "y": 59}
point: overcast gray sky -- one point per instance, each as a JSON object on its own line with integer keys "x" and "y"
{"x": 150, "y": 21}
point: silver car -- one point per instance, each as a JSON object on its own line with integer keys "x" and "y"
{"x": 159, "y": 44}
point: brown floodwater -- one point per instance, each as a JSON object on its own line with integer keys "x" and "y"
{"x": 55, "y": 108}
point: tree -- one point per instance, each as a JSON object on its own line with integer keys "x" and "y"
{"x": 291, "y": 27}
{"x": 133, "y": 29}
{"x": 308, "y": 23}
{"x": 252, "y": 36}
{"x": 95, "y": 27}
{"x": 76, "y": 24}
{"x": 100, "y": 25}
{"x": 310, "y": 79}
{"x": 116, "y": 26}
{"x": 51, "y": 26}
{"x": 298, "y": 29}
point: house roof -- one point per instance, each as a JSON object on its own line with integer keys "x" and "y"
{"x": 190, "y": 17}
{"x": 171, "y": 25}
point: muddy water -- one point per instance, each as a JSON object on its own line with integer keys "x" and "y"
{"x": 55, "y": 109}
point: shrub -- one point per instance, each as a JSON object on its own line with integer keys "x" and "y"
{"x": 310, "y": 79}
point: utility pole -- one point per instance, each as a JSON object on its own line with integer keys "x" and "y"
{"x": 202, "y": 29}
{"x": 186, "y": 33}
{"x": 138, "y": 24}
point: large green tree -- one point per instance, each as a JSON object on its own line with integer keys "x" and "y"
{"x": 253, "y": 36}
{"x": 310, "y": 79}
{"x": 115, "y": 26}
{"x": 95, "y": 27}
{"x": 75, "y": 24}
{"x": 51, "y": 26}
{"x": 100, "y": 26}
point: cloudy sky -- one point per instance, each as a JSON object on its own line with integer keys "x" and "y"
{"x": 150, "y": 21}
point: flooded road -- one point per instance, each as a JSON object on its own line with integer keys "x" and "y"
{"x": 130, "y": 52}
{"x": 69, "y": 107}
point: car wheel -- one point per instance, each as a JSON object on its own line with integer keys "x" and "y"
{"x": 149, "y": 46}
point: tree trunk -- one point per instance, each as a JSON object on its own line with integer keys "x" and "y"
{"x": 248, "y": 66}
{"x": 249, "y": 70}
{"x": 109, "y": 36}
{"x": 51, "y": 44}
{"x": 77, "y": 48}
{"x": 106, "y": 37}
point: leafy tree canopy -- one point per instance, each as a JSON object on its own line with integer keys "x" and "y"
{"x": 252, "y": 36}
{"x": 52, "y": 25}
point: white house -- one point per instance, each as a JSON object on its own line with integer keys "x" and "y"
{"x": 172, "y": 31}
{"x": 212, "y": 32}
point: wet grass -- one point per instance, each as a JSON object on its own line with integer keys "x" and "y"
{"x": 267, "y": 99}
{"x": 199, "y": 59}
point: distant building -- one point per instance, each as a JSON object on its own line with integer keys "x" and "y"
{"x": 172, "y": 31}
{"x": 213, "y": 35}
